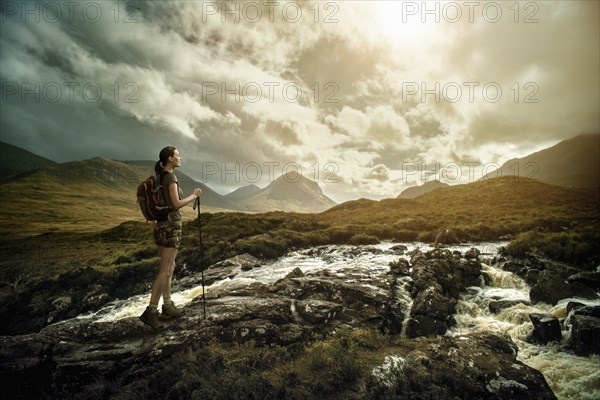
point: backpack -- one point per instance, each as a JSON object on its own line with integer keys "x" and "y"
{"x": 152, "y": 204}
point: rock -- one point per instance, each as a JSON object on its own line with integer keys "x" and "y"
{"x": 546, "y": 327}
{"x": 94, "y": 301}
{"x": 521, "y": 265}
{"x": 573, "y": 305}
{"x": 398, "y": 249}
{"x": 400, "y": 267}
{"x": 472, "y": 254}
{"x": 317, "y": 311}
{"x": 474, "y": 366}
{"x": 62, "y": 303}
{"x": 551, "y": 288}
{"x": 532, "y": 276}
{"x": 585, "y": 331}
{"x": 296, "y": 273}
{"x": 587, "y": 278}
{"x": 424, "y": 325}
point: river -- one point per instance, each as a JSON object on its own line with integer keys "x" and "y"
{"x": 571, "y": 377}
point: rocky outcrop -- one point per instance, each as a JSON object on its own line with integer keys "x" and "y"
{"x": 488, "y": 367}
{"x": 438, "y": 278}
{"x": 552, "y": 281}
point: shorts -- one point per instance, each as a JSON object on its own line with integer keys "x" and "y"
{"x": 167, "y": 235}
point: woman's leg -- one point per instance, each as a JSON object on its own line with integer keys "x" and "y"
{"x": 166, "y": 290}
{"x": 162, "y": 281}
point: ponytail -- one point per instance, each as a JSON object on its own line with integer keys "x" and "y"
{"x": 163, "y": 156}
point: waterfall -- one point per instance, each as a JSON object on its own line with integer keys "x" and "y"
{"x": 571, "y": 377}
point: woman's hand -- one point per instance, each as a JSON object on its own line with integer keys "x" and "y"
{"x": 197, "y": 192}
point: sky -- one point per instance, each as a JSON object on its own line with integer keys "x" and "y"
{"x": 364, "y": 97}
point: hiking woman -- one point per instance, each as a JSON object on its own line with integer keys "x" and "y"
{"x": 167, "y": 236}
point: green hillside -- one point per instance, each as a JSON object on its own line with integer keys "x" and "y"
{"x": 481, "y": 210}
{"x": 80, "y": 196}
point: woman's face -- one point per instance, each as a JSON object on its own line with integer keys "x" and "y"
{"x": 176, "y": 159}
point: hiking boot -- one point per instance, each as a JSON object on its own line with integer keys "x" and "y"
{"x": 150, "y": 318}
{"x": 169, "y": 310}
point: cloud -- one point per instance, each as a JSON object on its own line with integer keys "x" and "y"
{"x": 379, "y": 172}
{"x": 349, "y": 85}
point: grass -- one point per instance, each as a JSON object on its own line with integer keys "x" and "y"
{"x": 125, "y": 252}
{"x": 333, "y": 368}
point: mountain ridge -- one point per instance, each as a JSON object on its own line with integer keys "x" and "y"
{"x": 573, "y": 162}
{"x": 17, "y": 161}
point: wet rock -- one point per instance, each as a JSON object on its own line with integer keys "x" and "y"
{"x": 296, "y": 273}
{"x": 475, "y": 366}
{"x": 400, "y": 267}
{"x": 94, "y": 301}
{"x": 546, "y": 327}
{"x": 552, "y": 287}
{"x": 587, "y": 278}
{"x": 585, "y": 331}
{"x": 398, "y": 249}
{"x": 62, "y": 303}
{"x": 472, "y": 254}
{"x": 431, "y": 314}
{"x": 532, "y": 276}
{"x": 574, "y": 305}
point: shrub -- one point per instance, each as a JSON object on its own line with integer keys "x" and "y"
{"x": 579, "y": 247}
{"x": 363, "y": 238}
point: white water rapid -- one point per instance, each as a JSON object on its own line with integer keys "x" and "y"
{"x": 570, "y": 377}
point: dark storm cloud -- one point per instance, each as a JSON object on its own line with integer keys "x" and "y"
{"x": 330, "y": 87}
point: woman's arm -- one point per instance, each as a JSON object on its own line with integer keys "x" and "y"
{"x": 177, "y": 204}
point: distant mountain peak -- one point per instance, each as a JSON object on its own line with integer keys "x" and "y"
{"x": 289, "y": 192}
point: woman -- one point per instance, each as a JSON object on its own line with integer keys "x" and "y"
{"x": 167, "y": 236}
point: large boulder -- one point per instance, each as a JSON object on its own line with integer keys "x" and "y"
{"x": 585, "y": 331}
{"x": 552, "y": 287}
{"x": 546, "y": 327}
{"x": 475, "y": 366}
{"x": 587, "y": 278}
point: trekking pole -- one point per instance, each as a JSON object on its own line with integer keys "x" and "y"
{"x": 201, "y": 248}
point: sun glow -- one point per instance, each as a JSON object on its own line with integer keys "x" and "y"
{"x": 402, "y": 27}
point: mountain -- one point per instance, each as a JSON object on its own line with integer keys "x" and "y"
{"x": 209, "y": 197}
{"x": 75, "y": 196}
{"x": 291, "y": 192}
{"x": 571, "y": 163}
{"x": 481, "y": 210}
{"x": 416, "y": 191}
{"x": 16, "y": 160}
{"x": 244, "y": 191}
{"x": 87, "y": 195}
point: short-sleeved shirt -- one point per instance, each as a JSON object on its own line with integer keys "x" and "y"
{"x": 167, "y": 180}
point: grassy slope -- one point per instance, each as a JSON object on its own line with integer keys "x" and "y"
{"x": 45, "y": 266}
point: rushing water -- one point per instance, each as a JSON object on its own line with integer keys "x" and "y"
{"x": 569, "y": 376}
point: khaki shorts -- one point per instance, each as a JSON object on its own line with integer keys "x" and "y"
{"x": 167, "y": 235}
